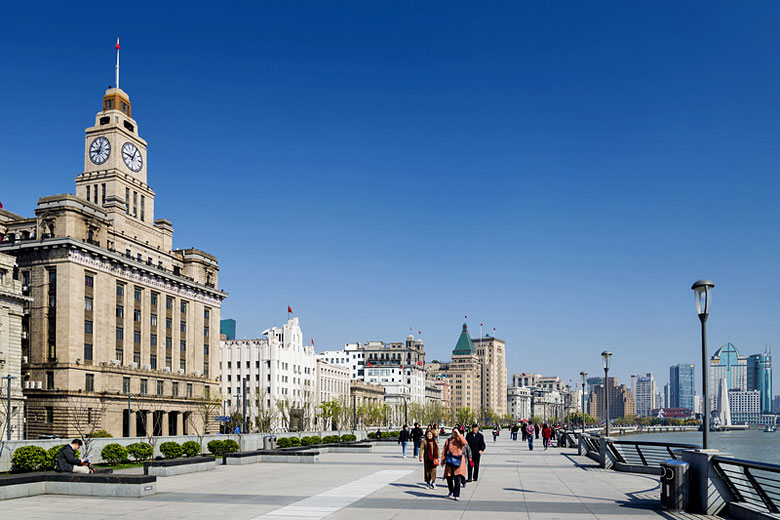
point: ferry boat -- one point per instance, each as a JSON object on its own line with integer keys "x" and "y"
{"x": 769, "y": 428}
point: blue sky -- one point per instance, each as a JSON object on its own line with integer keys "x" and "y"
{"x": 561, "y": 172}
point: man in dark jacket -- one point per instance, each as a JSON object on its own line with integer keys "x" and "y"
{"x": 67, "y": 461}
{"x": 417, "y": 435}
{"x": 403, "y": 439}
{"x": 477, "y": 444}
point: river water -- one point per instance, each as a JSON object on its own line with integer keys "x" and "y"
{"x": 742, "y": 444}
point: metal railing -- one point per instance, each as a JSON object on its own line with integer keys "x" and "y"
{"x": 591, "y": 443}
{"x": 645, "y": 453}
{"x": 754, "y": 483}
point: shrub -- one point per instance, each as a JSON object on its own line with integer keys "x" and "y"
{"x": 316, "y": 439}
{"x": 294, "y": 441}
{"x": 28, "y": 458}
{"x": 170, "y": 449}
{"x": 216, "y": 447}
{"x": 306, "y": 441}
{"x": 114, "y": 453}
{"x": 348, "y": 437}
{"x": 231, "y": 446}
{"x": 283, "y": 442}
{"x": 331, "y": 439}
{"x": 190, "y": 448}
{"x": 100, "y": 434}
{"x": 141, "y": 451}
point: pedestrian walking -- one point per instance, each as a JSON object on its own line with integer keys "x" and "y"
{"x": 417, "y": 436}
{"x": 403, "y": 439}
{"x": 429, "y": 455}
{"x": 514, "y": 432}
{"x": 529, "y": 431}
{"x": 536, "y": 431}
{"x": 454, "y": 465}
{"x": 495, "y": 433}
{"x": 476, "y": 442}
{"x": 546, "y": 436}
{"x": 469, "y": 463}
{"x": 522, "y": 430}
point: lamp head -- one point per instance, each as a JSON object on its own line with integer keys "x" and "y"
{"x": 606, "y": 357}
{"x": 702, "y": 292}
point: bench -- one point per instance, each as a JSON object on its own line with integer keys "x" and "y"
{"x": 251, "y": 457}
{"x": 168, "y": 468}
{"x": 18, "y": 485}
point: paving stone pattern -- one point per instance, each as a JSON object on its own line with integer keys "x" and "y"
{"x": 514, "y": 484}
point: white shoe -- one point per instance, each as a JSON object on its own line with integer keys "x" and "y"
{"x": 433, "y": 485}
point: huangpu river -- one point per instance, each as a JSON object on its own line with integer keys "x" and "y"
{"x": 754, "y": 444}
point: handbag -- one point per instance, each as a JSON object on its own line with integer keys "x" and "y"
{"x": 453, "y": 460}
{"x": 435, "y": 462}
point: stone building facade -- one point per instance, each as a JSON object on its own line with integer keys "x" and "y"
{"x": 492, "y": 357}
{"x": 463, "y": 373}
{"x": 117, "y": 310}
{"x": 621, "y": 401}
{"x": 332, "y": 383}
{"x": 12, "y": 308}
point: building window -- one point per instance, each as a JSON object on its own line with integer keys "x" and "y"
{"x": 206, "y": 314}
{"x": 120, "y": 290}
{"x": 125, "y": 385}
{"x": 120, "y": 311}
{"x": 169, "y": 303}
{"x": 183, "y": 307}
{"x": 103, "y": 198}
{"x": 49, "y": 414}
{"x": 137, "y": 294}
{"x": 168, "y": 323}
{"x": 153, "y": 361}
{"x": 120, "y": 333}
{"x": 137, "y": 358}
{"x": 119, "y": 355}
{"x": 153, "y": 299}
{"x": 135, "y": 203}
{"x": 205, "y": 369}
{"x": 168, "y": 342}
{"x": 205, "y": 332}
{"x": 137, "y": 316}
{"x": 89, "y": 383}
{"x": 159, "y": 387}
{"x": 87, "y": 327}
{"x": 183, "y": 345}
{"x": 89, "y": 280}
{"x": 144, "y": 384}
{"x": 168, "y": 363}
{"x": 205, "y": 349}
{"x": 153, "y": 320}
{"x": 153, "y": 340}
{"x": 183, "y": 365}
{"x": 50, "y": 380}
{"x": 189, "y": 389}
{"x": 183, "y": 326}
{"x": 88, "y": 303}
{"x": 127, "y": 201}
{"x": 87, "y": 193}
{"x": 142, "y": 208}
{"x": 87, "y": 351}
{"x": 175, "y": 389}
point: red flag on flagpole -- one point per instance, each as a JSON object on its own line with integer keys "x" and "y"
{"x": 117, "y": 43}
{"x": 419, "y": 362}
{"x": 289, "y": 309}
{"x": 368, "y": 364}
{"x": 312, "y": 342}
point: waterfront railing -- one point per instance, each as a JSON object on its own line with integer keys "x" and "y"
{"x": 645, "y": 453}
{"x": 754, "y": 483}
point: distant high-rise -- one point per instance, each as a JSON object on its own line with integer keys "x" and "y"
{"x": 682, "y": 386}
{"x": 728, "y": 364}
{"x": 759, "y": 377}
{"x": 228, "y": 328}
{"x": 643, "y": 390}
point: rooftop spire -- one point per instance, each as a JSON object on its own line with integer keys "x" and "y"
{"x": 117, "y": 62}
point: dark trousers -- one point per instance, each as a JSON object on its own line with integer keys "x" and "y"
{"x": 453, "y": 483}
{"x": 474, "y": 472}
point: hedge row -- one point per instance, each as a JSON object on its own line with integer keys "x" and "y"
{"x": 290, "y": 442}
{"x": 385, "y": 435}
{"x": 220, "y": 448}
{"x": 34, "y": 458}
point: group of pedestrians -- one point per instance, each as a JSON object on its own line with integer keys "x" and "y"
{"x": 531, "y": 431}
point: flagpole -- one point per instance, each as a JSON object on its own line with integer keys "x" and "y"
{"x": 117, "y": 62}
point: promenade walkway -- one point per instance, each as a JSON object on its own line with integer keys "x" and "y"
{"x": 514, "y": 484}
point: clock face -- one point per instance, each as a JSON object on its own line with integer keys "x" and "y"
{"x": 132, "y": 157}
{"x": 99, "y": 150}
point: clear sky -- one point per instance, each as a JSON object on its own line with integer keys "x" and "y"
{"x": 561, "y": 172}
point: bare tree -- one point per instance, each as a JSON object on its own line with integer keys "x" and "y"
{"x": 4, "y": 411}
{"x": 283, "y": 406}
{"x": 153, "y": 425}
{"x": 86, "y": 415}
{"x": 205, "y": 410}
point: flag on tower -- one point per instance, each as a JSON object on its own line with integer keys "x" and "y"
{"x": 368, "y": 364}
{"x": 117, "y": 43}
{"x": 289, "y": 309}
{"x": 312, "y": 342}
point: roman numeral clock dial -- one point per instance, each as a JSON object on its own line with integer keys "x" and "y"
{"x": 99, "y": 150}
{"x": 132, "y": 157}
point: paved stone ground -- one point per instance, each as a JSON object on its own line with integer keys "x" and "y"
{"x": 514, "y": 483}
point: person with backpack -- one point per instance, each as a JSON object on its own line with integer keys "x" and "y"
{"x": 454, "y": 465}
{"x": 403, "y": 439}
{"x": 417, "y": 436}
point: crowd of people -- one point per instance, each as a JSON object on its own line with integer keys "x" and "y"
{"x": 461, "y": 454}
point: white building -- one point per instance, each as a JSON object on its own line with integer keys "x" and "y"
{"x": 643, "y": 389}
{"x": 332, "y": 383}
{"x": 280, "y": 373}
{"x": 350, "y": 357}
{"x": 745, "y": 406}
{"x": 518, "y": 402}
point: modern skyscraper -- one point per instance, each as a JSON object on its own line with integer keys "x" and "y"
{"x": 728, "y": 364}
{"x": 759, "y": 377}
{"x": 228, "y": 329}
{"x": 643, "y": 390}
{"x": 682, "y": 386}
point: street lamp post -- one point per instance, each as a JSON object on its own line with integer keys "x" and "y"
{"x": 702, "y": 291}
{"x": 606, "y": 357}
{"x": 584, "y": 380}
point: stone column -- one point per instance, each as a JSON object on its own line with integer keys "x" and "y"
{"x": 131, "y": 425}
{"x": 164, "y": 423}
{"x": 179, "y": 423}
{"x": 708, "y": 493}
{"x": 605, "y": 457}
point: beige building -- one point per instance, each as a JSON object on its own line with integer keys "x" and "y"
{"x": 621, "y": 401}
{"x": 492, "y": 356}
{"x": 12, "y": 308}
{"x": 332, "y": 383}
{"x": 463, "y": 373}
{"x": 116, "y": 310}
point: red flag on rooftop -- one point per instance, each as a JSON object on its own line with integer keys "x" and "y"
{"x": 117, "y": 43}
{"x": 419, "y": 362}
{"x": 312, "y": 342}
{"x": 289, "y": 309}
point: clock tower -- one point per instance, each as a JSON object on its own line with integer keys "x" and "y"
{"x": 114, "y": 176}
